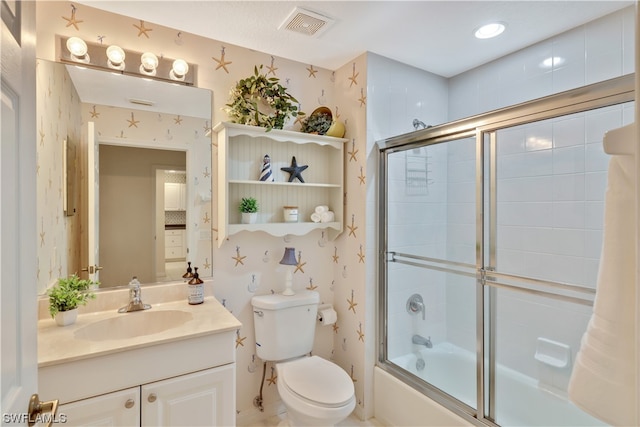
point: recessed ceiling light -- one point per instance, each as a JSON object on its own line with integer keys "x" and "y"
{"x": 490, "y": 30}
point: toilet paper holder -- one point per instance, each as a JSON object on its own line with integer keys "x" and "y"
{"x": 322, "y": 308}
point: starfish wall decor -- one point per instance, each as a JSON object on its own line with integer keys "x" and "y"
{"x": 295, "y": 170}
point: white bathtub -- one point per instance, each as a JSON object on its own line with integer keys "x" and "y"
{"x": 519, "y": 400}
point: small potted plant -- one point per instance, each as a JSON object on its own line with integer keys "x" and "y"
{"x": 67, "y": 295}
{"x": 249, "y": 209}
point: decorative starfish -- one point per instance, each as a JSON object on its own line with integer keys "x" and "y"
{"x": 352, "y": 228}
{"x": 72, "y": 21}
{"x": 271, "y": 68}
{"x": 337, "y": 114}
{"x": 206, "y": 172}
{"x": 239, "y": 259}
{"x": 142, "y": 30}
{"x": 336, "y": 327}
{"x": 239, "y": 340}
{"x": 361, "y": 255}
{"x": 335, "y": 255}
{"x": 363, "y": 98}
{"x": 361, "y": 177}
{"x": 206, "y": 265}
{"x": 178, "y": 120}
{"x": 312, "y": 72}
{"x": 207, "y": 128}
{"x": 206, "y": 220}
{"x": 360, "y": 333}
{"x": 221, "y": 62}
{"x": 133, "y": 122}
{"x": 295, "y": 170}
{"x": 42, "y": 233}
{"x": 42, "y": 134}
{"x": 273, "y": 379}
{"x": 352, "y": 303}
{"x": 94, "y": 113}
{"x": 353, "y": 152}
{"x": 300, "y": 263}
{"x": 311, "y": 286}
{"x": 354, "y": 76}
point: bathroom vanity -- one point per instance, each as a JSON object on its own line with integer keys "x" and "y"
{"x": 173, "y": 364}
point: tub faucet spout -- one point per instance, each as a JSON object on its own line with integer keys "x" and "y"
{"x": 420, "y": 340}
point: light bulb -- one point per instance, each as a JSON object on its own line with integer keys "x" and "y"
{"x": 490, "y": 30}
{"x": 179, "y": 69}
{"x": 148, "y": 64}
{"x": 78, "y": 49}
{"x": 116, "y": 57}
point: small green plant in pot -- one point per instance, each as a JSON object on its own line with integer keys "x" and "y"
{"x": 249, "y": 209}
{"x": 67, "y": 295}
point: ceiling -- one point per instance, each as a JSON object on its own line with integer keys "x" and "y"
{"x": 435, "y": 36}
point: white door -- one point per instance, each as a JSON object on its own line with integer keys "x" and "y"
{"x": 18, "y": 225}
{"x": 93, "y": 200}
{"x": 205, "y": 398}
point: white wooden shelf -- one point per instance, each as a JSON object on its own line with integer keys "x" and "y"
{"x": 241, "y": 150}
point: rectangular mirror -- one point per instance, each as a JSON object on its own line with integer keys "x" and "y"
{"x": 126, "y": 113}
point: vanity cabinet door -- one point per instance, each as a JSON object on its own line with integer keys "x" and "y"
{"x": 201, "y": 398}
{"x": 120, "y": 408}
{"x": 174, "y": 197}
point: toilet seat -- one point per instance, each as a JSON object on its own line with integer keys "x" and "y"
{"x": 317, "y": 381}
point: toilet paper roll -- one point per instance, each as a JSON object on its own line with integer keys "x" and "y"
{"x": 327, "y": 316}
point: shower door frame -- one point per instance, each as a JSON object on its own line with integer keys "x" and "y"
{"x": 484, "y": 127}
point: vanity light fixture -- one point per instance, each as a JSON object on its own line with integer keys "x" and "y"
{"x": 148, "y": 64}
{"x": 491, "y": 30}
{"x": 289, "y": 260}
{"x": 116, "y": 56}
{"x": 179, "y": 70}
{"x": 78, "y": 49}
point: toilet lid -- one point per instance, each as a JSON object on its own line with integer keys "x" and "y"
{"x": 317, "y": 380}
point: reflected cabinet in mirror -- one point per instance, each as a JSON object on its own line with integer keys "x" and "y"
{"x": 143, "y": 189}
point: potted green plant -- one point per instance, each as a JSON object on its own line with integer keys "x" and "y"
{"x": 249, "y": 209}
{"x": 318, "y": 122}
{"x": 262, "y": 101}
{"x": 67, "y": 295}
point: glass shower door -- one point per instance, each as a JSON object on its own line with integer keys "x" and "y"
{"x": 430, "y": 269}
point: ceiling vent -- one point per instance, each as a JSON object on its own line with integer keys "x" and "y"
{"x": 306, "y": 22}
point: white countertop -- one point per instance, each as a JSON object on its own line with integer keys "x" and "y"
{"x": 58, "y": 344}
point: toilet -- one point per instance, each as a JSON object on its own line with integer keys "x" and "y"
{"x": 315, "y": 391}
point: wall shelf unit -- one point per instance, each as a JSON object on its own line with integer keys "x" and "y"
{"x": 241, "y": 150}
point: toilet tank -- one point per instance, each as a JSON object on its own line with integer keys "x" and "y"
{"x": 285, "y": 325}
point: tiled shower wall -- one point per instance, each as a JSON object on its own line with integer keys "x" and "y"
{"x": 558, "y": 164}
{"x": 551, "y": 183}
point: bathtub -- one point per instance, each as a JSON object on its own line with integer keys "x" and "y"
{"x": 519, "y": 400}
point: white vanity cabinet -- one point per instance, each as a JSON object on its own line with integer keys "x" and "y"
{"x": 175, "y": 196}
{"x": 179, "y": 375}
{"x": 120, "y": 408}
{"x": 200, "y": 398}
{"x": 174, "y": 245}
{"x": 241, "y": 150}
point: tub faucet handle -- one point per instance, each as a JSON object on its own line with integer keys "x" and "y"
{"x": 415, "y": 304}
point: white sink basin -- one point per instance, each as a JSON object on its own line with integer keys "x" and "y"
{"x": 134, "y": 324}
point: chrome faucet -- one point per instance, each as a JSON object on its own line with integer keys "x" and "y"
{"x": 420, "y": 340}
{"x": 135, "y": 298}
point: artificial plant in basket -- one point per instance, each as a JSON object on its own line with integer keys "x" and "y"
{"x": 261, "y": 101}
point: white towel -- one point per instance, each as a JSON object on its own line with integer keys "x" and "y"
{"x": 327, "y": 216}
{"x": 322, "y": 208}
{"x": 315, "y": 217}
{"x": 603, "y": 381}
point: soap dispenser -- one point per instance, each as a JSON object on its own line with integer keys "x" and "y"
{"x": 196, "y": 289}
{"x": 189, "y": 274}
